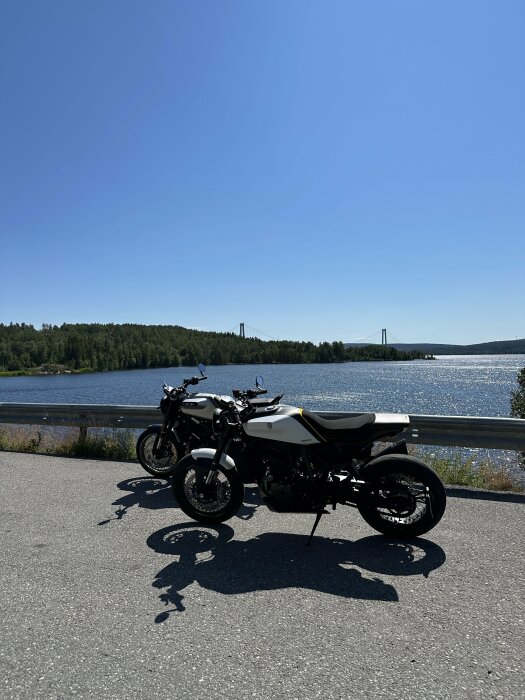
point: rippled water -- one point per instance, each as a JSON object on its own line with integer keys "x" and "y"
{"x": 477, "y": 385}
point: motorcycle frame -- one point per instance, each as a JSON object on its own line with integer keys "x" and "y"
{"x": 351, "y": 463}
{"x": 175, "y": 425}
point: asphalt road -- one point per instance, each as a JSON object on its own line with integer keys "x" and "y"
{"x": 108, "y": 591}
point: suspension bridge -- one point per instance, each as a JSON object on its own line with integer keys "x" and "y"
{"x": 379, "y": 337}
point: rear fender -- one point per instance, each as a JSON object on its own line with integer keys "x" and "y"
{"x": 398, "y": 448}
{"x": 208, "y": 453}
{"x": 366, "y": 472}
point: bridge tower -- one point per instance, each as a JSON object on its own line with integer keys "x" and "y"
{"x": 241, "y": 330}
{"x": 383, "y": 337}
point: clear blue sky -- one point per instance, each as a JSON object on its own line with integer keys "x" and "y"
{"x": 317, "y": 170}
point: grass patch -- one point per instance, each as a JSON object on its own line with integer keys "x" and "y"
{"x": 118, "y": 446}
{"x": 457, "y": 472}
{"x": 112, "y": 444}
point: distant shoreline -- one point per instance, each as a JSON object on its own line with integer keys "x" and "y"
{"x": 496, "y": 347}
{"x": 38, "y": 372}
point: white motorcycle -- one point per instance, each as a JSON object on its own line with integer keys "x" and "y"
{"x": 303, "y": 462}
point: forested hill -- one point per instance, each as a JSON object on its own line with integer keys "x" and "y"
{"x": 497, "y": 347}
{"x": 98, "y": 347}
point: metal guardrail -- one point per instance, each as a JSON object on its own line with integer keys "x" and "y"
{"x": 455, "y": 431}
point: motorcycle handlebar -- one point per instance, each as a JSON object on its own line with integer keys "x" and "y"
{"x": 169, "y": 390}
{"x": 248, "y": 394}
{"x": 194, "y": 380}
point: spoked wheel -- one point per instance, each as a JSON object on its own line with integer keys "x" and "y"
{"x": 159, "y": 462}
{"x": 404, "y": 497}
{"x": 209, "y": 503}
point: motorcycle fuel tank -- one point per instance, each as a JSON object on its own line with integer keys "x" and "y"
{"x": 200, "y": 406}
{"x": 282, "y": 424}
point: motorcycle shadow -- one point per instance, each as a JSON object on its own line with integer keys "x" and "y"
{"x": 155, "y": 494}
{"x": 209, "y": 556}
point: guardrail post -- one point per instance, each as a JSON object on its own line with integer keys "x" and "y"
{"x": 82, "y": 432}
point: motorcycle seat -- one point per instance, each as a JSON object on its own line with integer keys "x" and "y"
{"x": 366, "y": 426}
{"x": 332, "y": 429}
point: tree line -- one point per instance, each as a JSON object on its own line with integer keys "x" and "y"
{"x": 99, "y": 347}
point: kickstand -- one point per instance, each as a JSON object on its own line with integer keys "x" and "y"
{"x": 317, "y": 519}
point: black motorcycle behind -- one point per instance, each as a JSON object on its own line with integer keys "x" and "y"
{"x": 187, "y": 423}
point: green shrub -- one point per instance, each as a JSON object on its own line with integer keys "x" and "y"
{"x": 457, "y": 472}
{"x": 116, "y": 445}
{"x": 517, "y": 401}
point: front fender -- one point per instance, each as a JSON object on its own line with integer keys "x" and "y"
{"x": 208, "y": 453}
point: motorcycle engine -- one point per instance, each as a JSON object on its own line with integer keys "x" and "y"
{"x": 290, "y": 490}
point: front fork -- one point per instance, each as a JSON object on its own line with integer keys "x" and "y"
{"x": 161, "y": 439}
{"x": 223, "y": 446}
{"x": 160, "y": 443}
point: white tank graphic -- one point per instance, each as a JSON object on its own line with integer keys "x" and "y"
{"x": 280, "y": 425}
{"x": 201, "y": 405}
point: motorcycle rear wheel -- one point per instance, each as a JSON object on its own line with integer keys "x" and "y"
{"x": 212, "y": 503}
{"x": 411, "y": 498}
{"x": 161, "y": 466}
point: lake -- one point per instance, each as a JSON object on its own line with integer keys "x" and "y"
{"x": 462, "y": 385}
{"x": 454, "y": 385}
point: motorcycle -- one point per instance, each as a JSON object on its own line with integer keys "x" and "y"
{"x": 187, "y": 423}
{"x": 305, "y": 463}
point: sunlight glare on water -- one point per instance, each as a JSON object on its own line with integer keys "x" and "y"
{"x": 459, "y": 385}
{"x": 462, "y": 385}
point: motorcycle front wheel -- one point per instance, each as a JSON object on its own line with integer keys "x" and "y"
{"x": 208, "y": 503}
{"x": 160, "y": 464}
{"x": 403, "y": 498}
